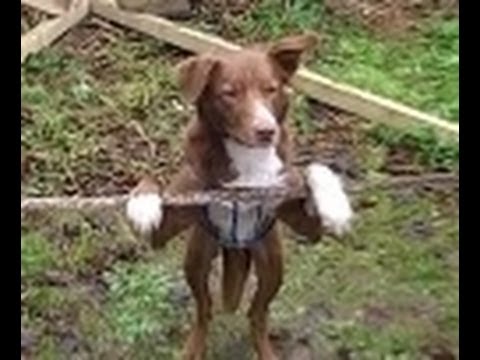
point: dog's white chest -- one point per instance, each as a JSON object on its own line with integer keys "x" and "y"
{"x": 256, "y": 167}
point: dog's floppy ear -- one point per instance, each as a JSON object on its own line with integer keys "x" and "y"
{"x": 287, "y": 52}
{"x": 193, "y": 75}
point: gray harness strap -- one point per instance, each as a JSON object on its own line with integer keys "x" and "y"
{"x": 234, "y": 227}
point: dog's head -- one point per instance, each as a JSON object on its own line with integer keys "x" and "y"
{"x": 242, "y": 95}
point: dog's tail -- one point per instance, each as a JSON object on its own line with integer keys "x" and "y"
{"x": 236, "y": 267}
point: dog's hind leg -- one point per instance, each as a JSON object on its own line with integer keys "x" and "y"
{"x": 268, "y": 261}
{"x": 201, "y": 250}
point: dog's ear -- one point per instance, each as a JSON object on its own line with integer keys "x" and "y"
{"x": 287, "y": 52}
{"x": 194, "y": 74}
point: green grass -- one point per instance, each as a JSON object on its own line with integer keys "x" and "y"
{"x": 37, "y": 254}
{"x": 72, "y": 105}
{"x": 420, "y": 69}
{"x": 138, "y": 301}
{"x": 380, "y": 266}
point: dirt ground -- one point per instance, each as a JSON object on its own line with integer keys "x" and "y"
{"x": 386, "y": 17}
{"x": 30, "y": 18}
{"x": 390, "y": 16}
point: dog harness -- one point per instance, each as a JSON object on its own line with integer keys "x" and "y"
{"x": 238, "y": 224}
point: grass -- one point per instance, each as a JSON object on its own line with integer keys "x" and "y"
{"x": 89, "y": 290}
{"x": 420, "y": 69}
{"x": 138, "y": 301}
{"x": 403, "y": 278}
{"x": 37, "y": 254}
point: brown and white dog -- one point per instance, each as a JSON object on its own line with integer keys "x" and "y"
{"x": 239, "y": 137}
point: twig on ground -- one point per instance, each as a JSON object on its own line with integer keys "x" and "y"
{"x": 140, "y": 131}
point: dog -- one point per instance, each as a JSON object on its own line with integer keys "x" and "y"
{"x": 239, "y": 138}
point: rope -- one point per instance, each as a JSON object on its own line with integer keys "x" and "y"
{"x": 206, "y": 197}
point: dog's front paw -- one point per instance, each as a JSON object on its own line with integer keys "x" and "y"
{"x": 144, "y": 207}
{"x": 328, "y": 199}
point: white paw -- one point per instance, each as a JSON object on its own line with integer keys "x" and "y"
{"x": 144, "y": 210}
{"x": 328, "y": 199}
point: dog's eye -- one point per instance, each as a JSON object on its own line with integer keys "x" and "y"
{"x": 229, "y": 92}
{"x": 270, "y": 89}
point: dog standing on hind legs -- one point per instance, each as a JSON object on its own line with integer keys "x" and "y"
{"x": 239, "y": 137}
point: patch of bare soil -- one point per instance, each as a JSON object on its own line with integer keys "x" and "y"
{"x": 89, "y": 41}
{"x": 90, "y": 277}
{"x": 218, "y": 7}
{"x": 31, "y": 17}
{"x": 58, "y": 325}
{"x": 91, "y": 35}
{"x": 401, "y": 161}
{"x": 220, "y": 15}
{"x": 300, "y": 340}
{"x": 438, "y": 351}
{"x": 391, "y": 16}
{"x": 334, "y": 141}
{"x": 28, "y": 340}
{"x": 175, "y": 9}
{"x": 376, "y": 316}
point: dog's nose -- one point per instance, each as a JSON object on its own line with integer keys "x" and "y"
{"x": 265, "y": 135}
